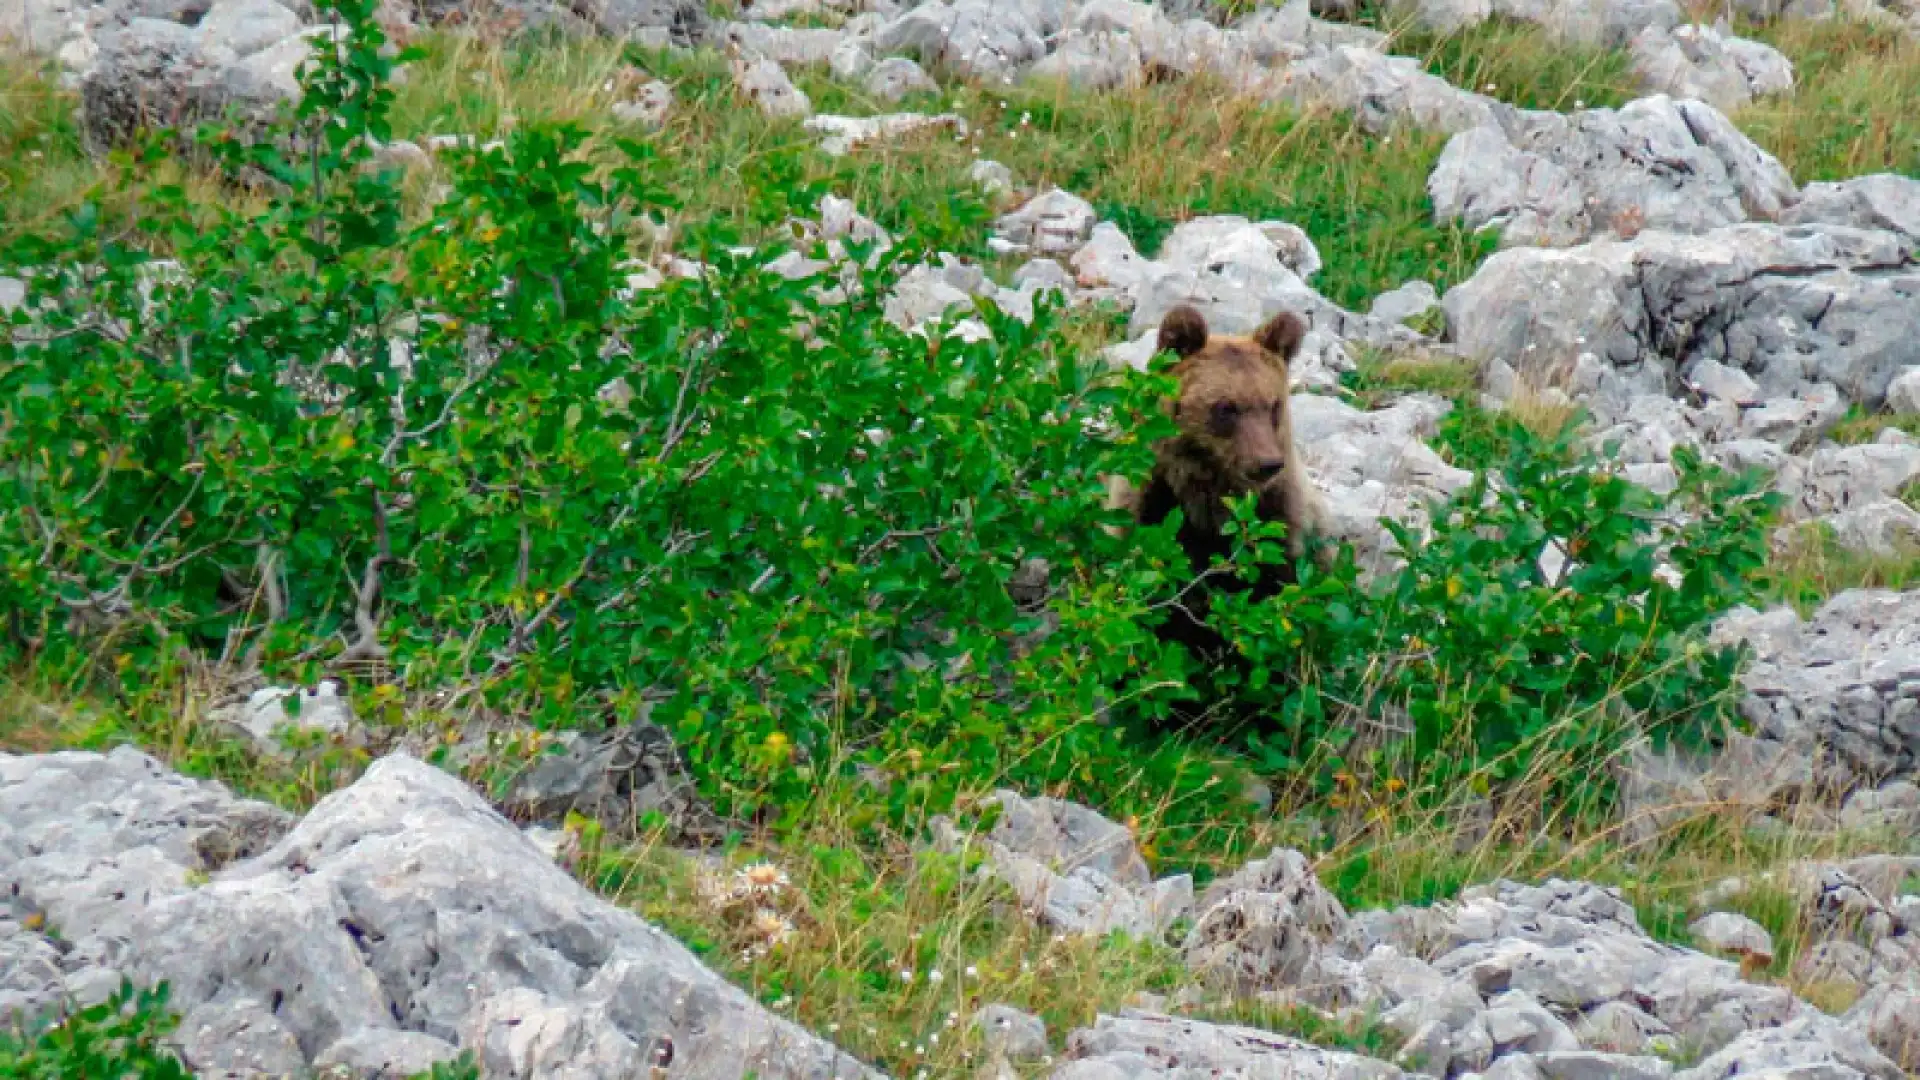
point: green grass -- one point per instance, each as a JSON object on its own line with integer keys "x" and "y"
{"x": 1861, "y": 426}
{"x": 42, "y": 164}
{"x": 1812, "y": 567}
{"x": 1148, "y": 159}
{"x": 1521, "y": 64}
{"x": 1855, "y": 108}
{"x": 1379, "y": 377}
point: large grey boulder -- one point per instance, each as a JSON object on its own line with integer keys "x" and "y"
{"x": 1381, "y": 91}
{"x": 1841, "y": 688}
{"x": 151, "y": 73}
{"x": 1570, "y": 949}
{"x": 1840, "y": 478}
{"x": 1055, "y": 222}
{"x": 1609, "y": 23}
{"x": 1790, "y": 307}
{"x": 247, "y": 26}
{"x": 621, "y": 778}
{"x": 84, "y": 840}
{"x": 1696, "y": 61}
{"x": 973, "y": 38}
{"x": 1655, "y": 163}
{"x": 1811, "y": 1045}
{"x": 1265, "y": 927}
{"x": 1092, "y": 62}
{"x": 1605, "y": 23}
{"x": 40, "y": 27}
{"x": 1882, "y": 201}
{"x": 400, "y": 917}
{"x": 1889, "y": 1017}
{"x": 1075, "y": 870}
{"x": 1374, "y": 465}
{"x": 663, "y": 22}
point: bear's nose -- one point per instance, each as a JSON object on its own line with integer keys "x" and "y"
{"x": 1267, "y": 470}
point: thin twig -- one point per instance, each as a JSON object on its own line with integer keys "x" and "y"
{"x": 523, "y": 634}
{"x": 366, "y": 647}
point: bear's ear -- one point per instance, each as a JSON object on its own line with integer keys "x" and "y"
{"x": 1183, "y": 332}
{"x": 1281, "y": 335}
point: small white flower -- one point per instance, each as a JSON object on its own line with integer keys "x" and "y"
{"x": 906, "y": 975}
{"x": 935, "y": 977}
{"x": 972, "y": 972}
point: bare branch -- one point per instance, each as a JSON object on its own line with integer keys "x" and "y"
{"x": 522, "y": 637}
{"x": 366, "y": 647}
{"x": 267, "y": 565}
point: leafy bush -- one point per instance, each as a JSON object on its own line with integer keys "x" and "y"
{"x": 1480, "y": 653}
{"x": 118, "y": 1039}
{"x": 123, "y": 1038}
{"x": 466, "y": 446}
{"x": 462, "y": 450}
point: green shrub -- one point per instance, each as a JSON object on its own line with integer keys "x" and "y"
{"x": 1473, "y": 657}
{"x": 123, "y": 1038}
{"x": 456, "y": 449}
{"x": 332, "y": 437}
{"x": 118, "y": 1039}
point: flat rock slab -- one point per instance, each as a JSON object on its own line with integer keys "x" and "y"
{"x": 1142, "y": 1045}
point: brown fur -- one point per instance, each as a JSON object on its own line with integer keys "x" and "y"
{"x": 1236, "y": 437}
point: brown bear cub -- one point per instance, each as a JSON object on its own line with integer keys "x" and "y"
{"x": 1235, "y": 437}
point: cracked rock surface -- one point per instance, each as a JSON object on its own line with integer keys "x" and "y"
{"x": 400, "y": 920}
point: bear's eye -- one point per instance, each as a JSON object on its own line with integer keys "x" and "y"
{"x": 1224, "y": 414}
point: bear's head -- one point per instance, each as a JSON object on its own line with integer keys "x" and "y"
{"x": 1233, "y": 399}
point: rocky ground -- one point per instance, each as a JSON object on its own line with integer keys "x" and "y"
{"x": 1656, "y": 268}
{"x": 404, "y": 918}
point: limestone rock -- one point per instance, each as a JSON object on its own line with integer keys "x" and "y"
{"x": 1016, "y": 1035}
{"x": 845, "y": 134}
{"x": 896, "y": 77}
{"x": 1793, "y": 308}
{"x": 1842, "y": 688}
{"x": 1075, "y": 870}
{"x": 1409, "y": 301}
{"x": 762, "y": 82}
{"x": 650, "y": 106}
{"x": 973, "y": 38}
{"x": 1903, "y": 392}
{"x": 619, "y": 778}
{"x": 1054, "y": 222}
{"x": 1886, "y": 202}
{"x": 321, "y": 710}
{"x": 1654, "y": 163}
{"x": 400, "y": 914}
{"x": 1734, "y": 935}
{"x": 1696, "y": 61}
{"x": 1146, "y": 1046}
